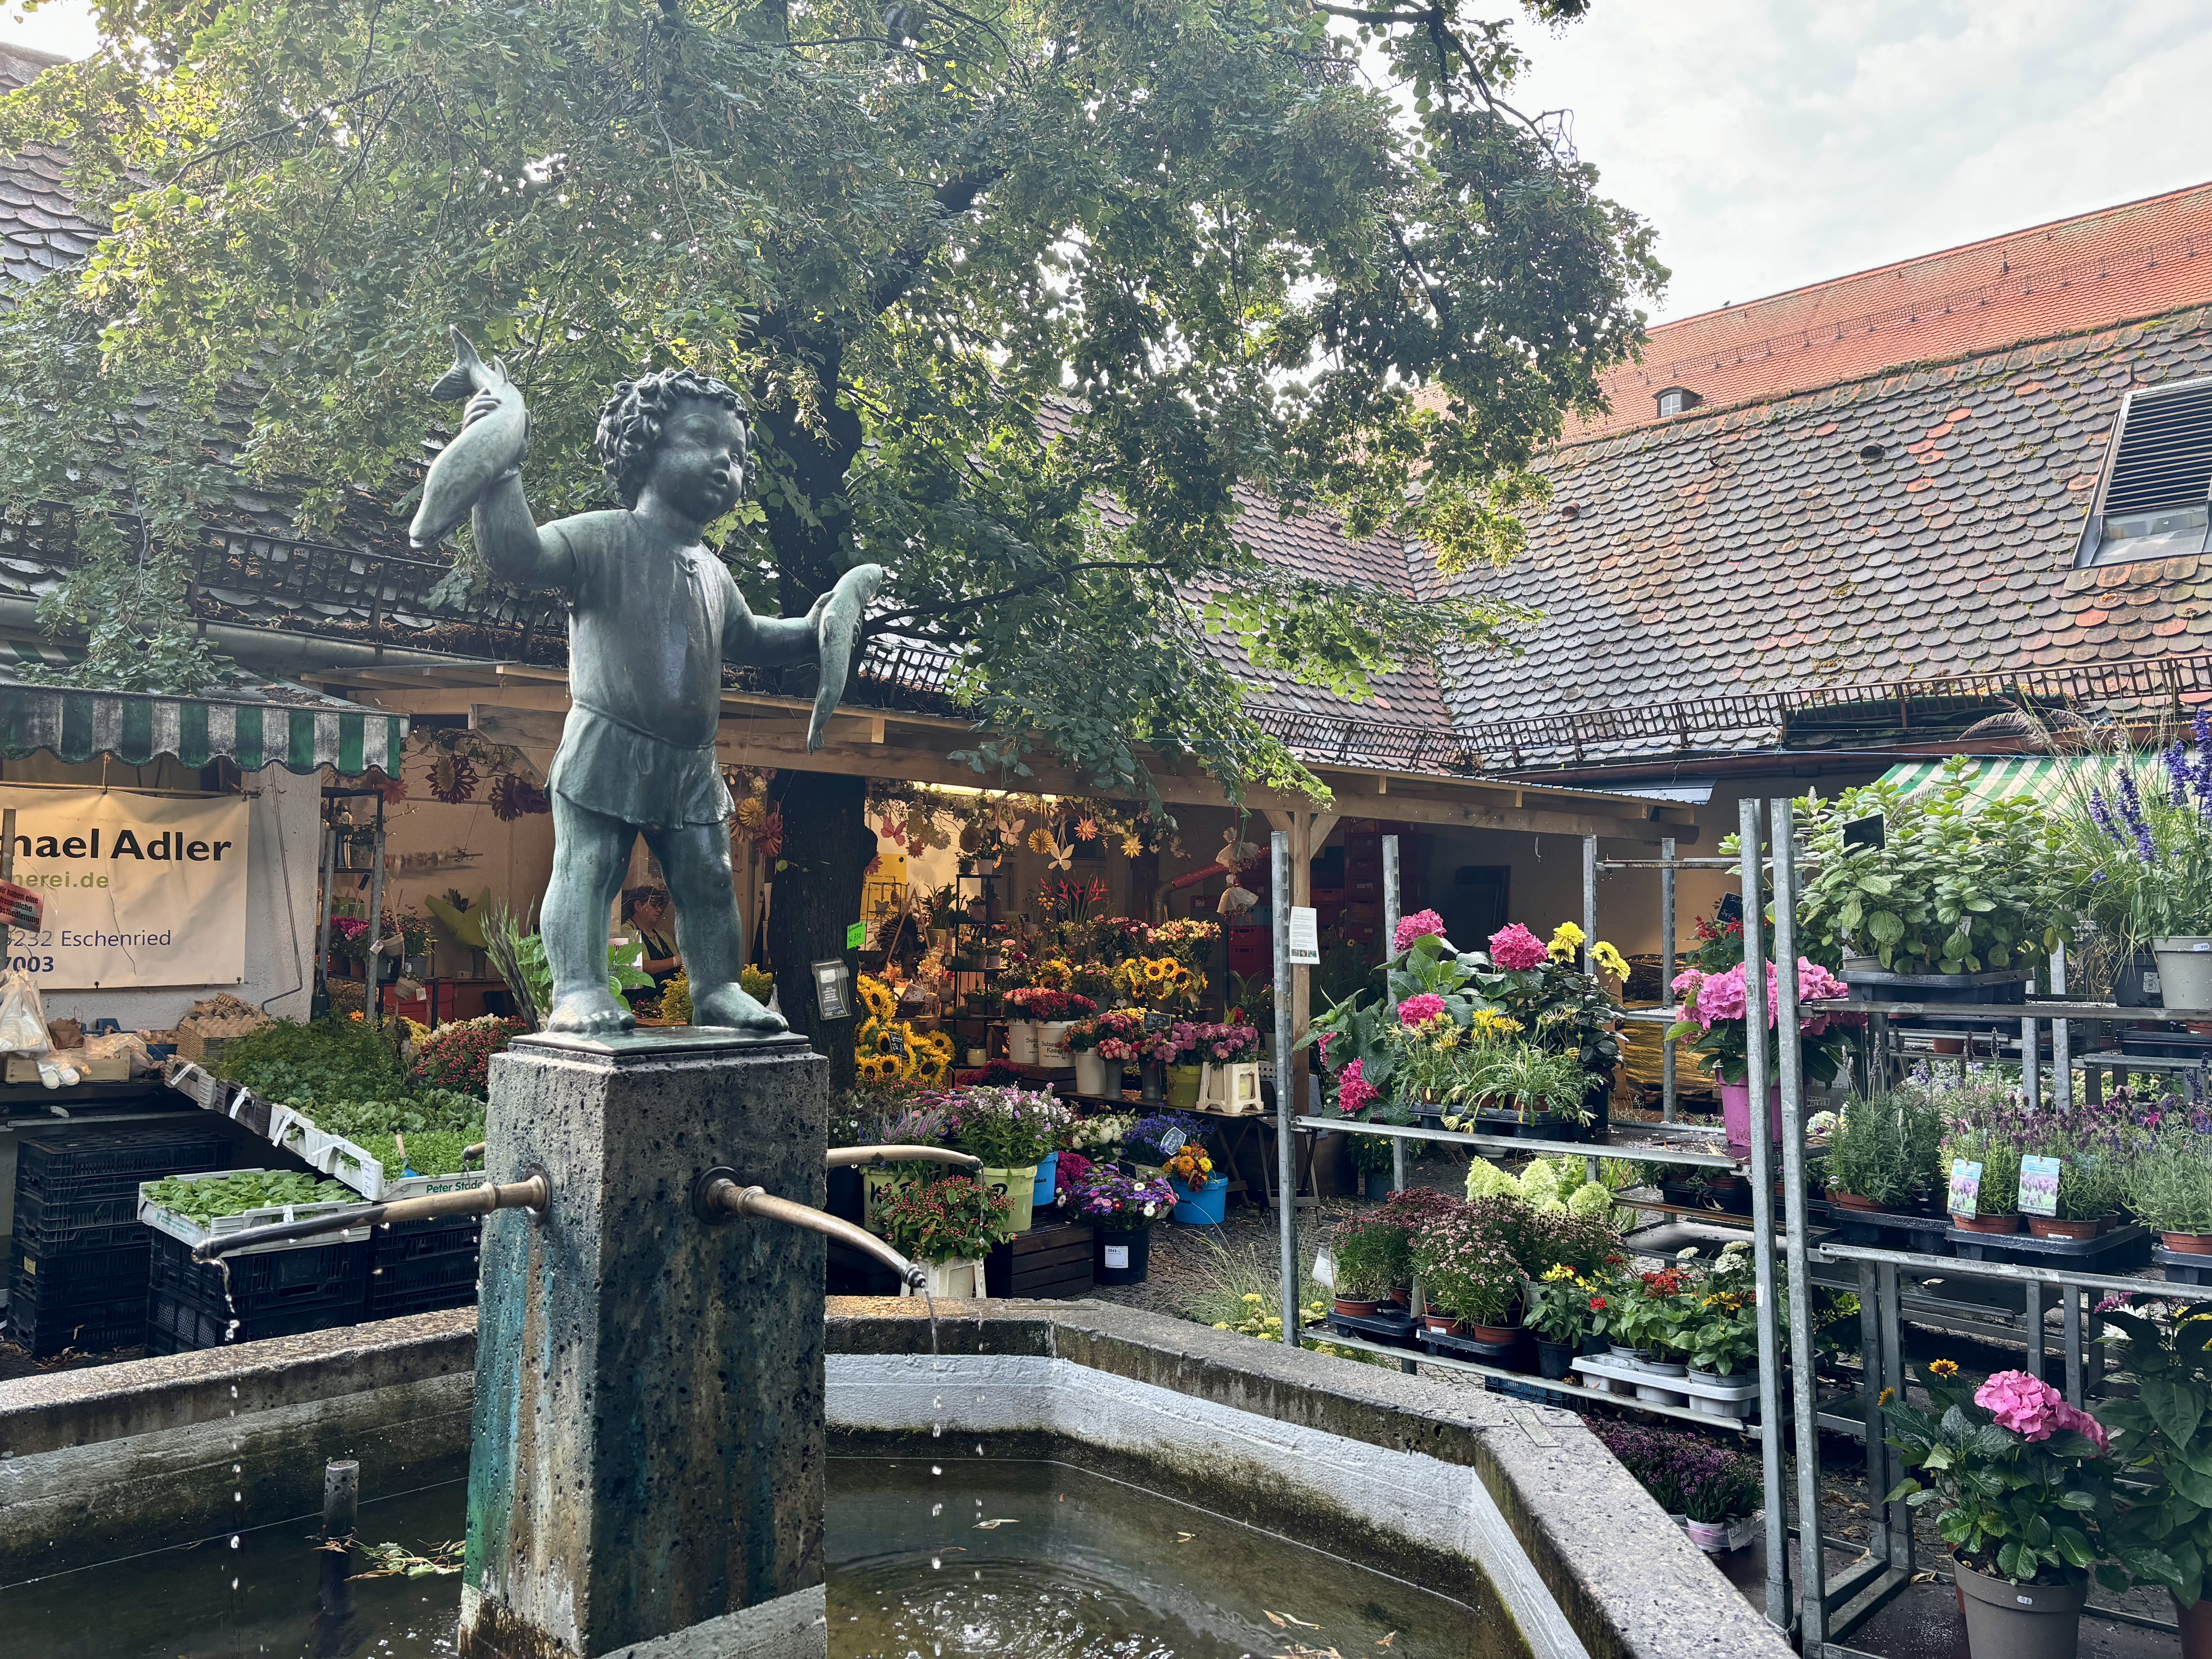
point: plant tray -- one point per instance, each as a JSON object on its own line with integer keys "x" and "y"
{"x": 1397, "y": 1328}
{"x": 185, "y": 1230}
{"x": 1531, "y": 1391}
{"x": 2112, "y": 1252}
{"x": 2182, "y": 1266}
{"x": 1716, "y": 1400}
{"x": 331, "y": 1155}
{"x": 1466, "y": 1347}
{"x": 1924, "y": 1233}
{"x": 2150, "y": 1042}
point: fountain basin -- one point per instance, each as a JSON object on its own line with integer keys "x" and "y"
{"x": 1512, "y": 1509}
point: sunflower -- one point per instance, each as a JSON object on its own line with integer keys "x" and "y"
{"x": 1946, "y": 1369}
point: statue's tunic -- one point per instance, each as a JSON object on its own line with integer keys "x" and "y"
{"x": 646, "y": 628}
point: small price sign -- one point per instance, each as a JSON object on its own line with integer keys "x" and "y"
{"x": 2038, "y": 1186}
{"x": 856, "y": 936}
{"x": 1965, "y": 1197}
{"x": 1157, "y": 1020}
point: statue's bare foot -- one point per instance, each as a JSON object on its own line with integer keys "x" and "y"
{"x": 590, "y": 1010}
{"x": 727, "y": 1005}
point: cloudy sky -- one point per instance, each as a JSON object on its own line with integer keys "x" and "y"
{"x": 1775, "y": 143}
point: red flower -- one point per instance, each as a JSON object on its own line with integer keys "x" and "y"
{"x": 1597, "y": 1304}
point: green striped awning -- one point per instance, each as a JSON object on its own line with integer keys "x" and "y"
{"x": 2051, "y": 778}
{"x": 252, "y": 732}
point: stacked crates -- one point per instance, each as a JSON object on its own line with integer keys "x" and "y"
{"x": 280, "y": 1290}
{"x": 78, "y": 1275}
{"x": 419, "y": 1266}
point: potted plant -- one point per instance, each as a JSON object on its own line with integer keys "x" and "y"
{"x": 2170, "y": 1189}
{"x": 1470, "y": 1274}
{"x": 1541, "y": 987}
{"x": 1121, "y": 1045}
{"x": 1152, "y": 1139}
{"x": 1428, "y": 1040}
{"x": 1714, "y": 1023}
{"x": 1719, "y": 1330}
{"x": 1056, "y": 1013}
{"x": 948, "y": 1225}
{"x": 2142, "y": 861}
{"x": 2022, "y": 1480}
{"x": 1995, "y": 1147}
{"x": 1367, "y": 1257}
{"x": 1083, "y": 1038}
{"x": 1563, "y": 1309}
{"x": 1229, "y": 1056}
{"x": 1720, "y": 1491}
{"x": 1011, "y": 1129}
{"x": 1958, "y": 890}
{"x": 2163, "y": 1436}
{"x": 1374, "y": 1158}
{"x": 1121, "y": 1210}
{"x": 1549, "y": 1091}
{"x": 1200, "y": 1194}
{"x": 2092, "y": 1174}
{"x": 1885, "y": 1154}
{"x": 1176, "y": 1050}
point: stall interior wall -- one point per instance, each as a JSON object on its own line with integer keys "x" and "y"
{"x": 280, "y": 932}
{"x": 430, "y": 847}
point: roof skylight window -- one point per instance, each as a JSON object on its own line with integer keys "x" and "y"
{"x": 2151, "y": 499}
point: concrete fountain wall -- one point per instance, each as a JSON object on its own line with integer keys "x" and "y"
{"x": 1515, "y": 1510}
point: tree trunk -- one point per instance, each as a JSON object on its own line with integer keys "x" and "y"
{"x": 827, "y": 846}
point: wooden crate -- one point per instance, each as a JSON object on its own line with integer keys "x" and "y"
{"x": 1044, "y": 1263}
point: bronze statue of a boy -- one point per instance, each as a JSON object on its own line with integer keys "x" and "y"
{"x": 653, "y": 614}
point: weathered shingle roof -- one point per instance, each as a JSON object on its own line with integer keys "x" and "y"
{"x": 1755, "y": 550}
{"x": 40, "y": 230}
{"x": 2136, "y": 260}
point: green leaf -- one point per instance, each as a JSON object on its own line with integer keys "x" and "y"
{"x": 2175, "y": 1405}
{"x": 2073, "y": 1546}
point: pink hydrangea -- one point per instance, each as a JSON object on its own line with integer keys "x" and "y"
{"x": 1420, "y": 925}
{"x": 2026, "y": 1405}
{"x": 1354, "y": 1093}
{"x": 1420, "y": 1009}
{"x": 1720, "y": 996}
{"x": 1515, "y": 947}
{"x": 2081, "y": 1423}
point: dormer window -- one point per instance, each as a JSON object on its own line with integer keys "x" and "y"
{"x": 1673, "y": 399}
{"x": 2151, "y": 497}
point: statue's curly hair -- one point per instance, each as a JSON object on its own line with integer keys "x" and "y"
{"x": 630, "y": 424}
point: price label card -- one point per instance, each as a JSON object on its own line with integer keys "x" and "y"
{"x": 833, "y": 988}
{"x": 1117, "y": 1257}
{"x": 895, "y": 1043}
{"x": 2038, "y": 1186}
{"x": 1171, "y": 1143}
{"x": 856, "y": 936}
{"x": 1305, "y": 937}
{"x": 1966, "y": 1187}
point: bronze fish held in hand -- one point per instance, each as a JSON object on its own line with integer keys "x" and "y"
{"x": 486, "y": 446}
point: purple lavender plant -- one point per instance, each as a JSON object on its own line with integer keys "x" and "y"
{"x": 2131, "y": 813}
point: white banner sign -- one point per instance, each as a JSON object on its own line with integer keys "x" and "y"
{"x": 1305, "y": 937}
{"x": 140, "y": 889}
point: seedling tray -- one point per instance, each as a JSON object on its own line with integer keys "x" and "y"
{"x": 1896, "y": 1228}
{"x": 1466, "y": 1347}
{"x": 1392, "y": 1327}
{"x": 187, "y": 1231}
{"x": 331, "y": 1155}
{"x": 2108, "y": 1252}
{"x": 1719, "y": 1399}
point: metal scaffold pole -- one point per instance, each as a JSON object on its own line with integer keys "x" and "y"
{"x": 1390, "y": 913}
{"x": 1286, "y": 1109}
{"x": 1757, "y": 1074}
{"x": 1666, "y": 1107}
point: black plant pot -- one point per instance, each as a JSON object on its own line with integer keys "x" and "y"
{"x": 1598, "y": 1102}
{"x": 1553, "y": 1360}
{"x": 848, "y": 1196}
{"x": 1376, "y": 1184}
{"x": 1133, "y": 1249}
{"x": 1491, "y": 1122}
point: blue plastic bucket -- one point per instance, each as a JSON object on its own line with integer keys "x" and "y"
{"x": 1047, "y": 1179}
{"x": 1196, "y": 1209}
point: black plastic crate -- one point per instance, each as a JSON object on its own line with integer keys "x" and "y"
{"x": 59, "y": 1164}
{"x": 312, "y": 1279}
{"x": 71, "y": 1278}
{"x": 425, "y": 1283}
{"x": 411, "y": 1242}
{"x": 177, "y": 1324}
{"x": 95, "y": 1221}
{"x": 45, "y": 1331}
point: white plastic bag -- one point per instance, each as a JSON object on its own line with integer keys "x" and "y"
{"x": 22, "y": 1016}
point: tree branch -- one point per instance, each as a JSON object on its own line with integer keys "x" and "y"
{"x": 876, "y": 624}
{"x": 321, "y": 111}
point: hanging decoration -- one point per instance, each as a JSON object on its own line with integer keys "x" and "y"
{"x": 453, "y": 779}
{"x": 513, "y": 797}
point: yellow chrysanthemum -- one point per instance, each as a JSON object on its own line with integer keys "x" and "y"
{"x": 1566, "y": 940}
{"x": 1610, "y": 962}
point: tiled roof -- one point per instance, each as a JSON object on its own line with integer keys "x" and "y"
{"x": 2139, "y": 260}
{"x": 39, "y": 229}
{"x": 1755, "y": 550}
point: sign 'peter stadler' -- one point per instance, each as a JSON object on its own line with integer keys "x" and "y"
{"x": 653, "y": 616}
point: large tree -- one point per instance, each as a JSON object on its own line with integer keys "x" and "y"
{"x": 1022, "y": 293}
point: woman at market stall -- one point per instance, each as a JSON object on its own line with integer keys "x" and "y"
{"x": 645, "y": 908}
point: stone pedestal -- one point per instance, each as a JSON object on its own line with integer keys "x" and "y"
{"x": 646, "y": 1476}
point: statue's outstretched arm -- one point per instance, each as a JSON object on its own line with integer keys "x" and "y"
{"x": 771, "y": 642}
{"x": 509, "y": 539}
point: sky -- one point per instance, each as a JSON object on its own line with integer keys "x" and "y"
{"x": 1777, "y": 143}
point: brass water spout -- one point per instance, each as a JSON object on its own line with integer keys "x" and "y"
{"x": 844, "y": 1158}
{"x": 716, "y": 1196}
{"x": 534, "y": 1193}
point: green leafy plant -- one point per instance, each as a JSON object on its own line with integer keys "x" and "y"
{"x": 1371, "y": 1259}
{"x": 1997, "y": 1149}
{"x": 1886, "y": 1150}
{"x": 2163, "y": 1436}
{"x": 235, "y": 1194}
{"x": 1959, "y": 886}
{"x": 1719, "y": 1326}
{"x": 2169, "y": 1186}
{"x": 301, "y": 1066}
{"x": 953, "y": 1219}
{"x": 427, "y": 1151}
{"x": 2021, "y": 1484}
{"x": 1559, "y": 1305}
{"x": 1468, "y": 1270}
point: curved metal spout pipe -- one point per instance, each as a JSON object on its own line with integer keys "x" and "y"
{"x": 844, "y": 1158}
{"x": 716, "y": 1196}
{"x": 534, "y": 1193}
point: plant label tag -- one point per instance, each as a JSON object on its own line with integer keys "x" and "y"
{"x": 1157, "y": 1020}
{"x": 1866, "y": 832}
{"x": 895, "y": 1043}
{"x": 2038, "y": 1186}
{"x": 856, "y": 936}
{"x": 1966, "y": 1187}
{"x": 1117, "y": 1258}
{"x": 833, "y": 988}
{"x": 1171, "y": 1143}
{"x": 1305, "y": 937}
